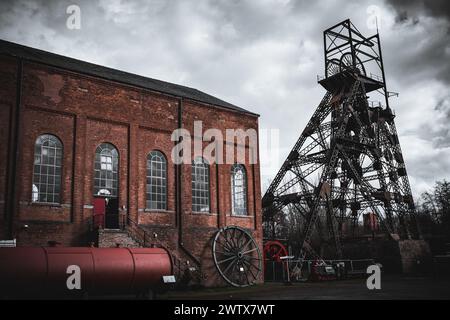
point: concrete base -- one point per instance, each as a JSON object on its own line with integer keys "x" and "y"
{"x": 415, "y": 256}
{"x": 404, "y": 256}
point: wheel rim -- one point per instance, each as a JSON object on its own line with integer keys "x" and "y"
{"x": 237, "y": 256}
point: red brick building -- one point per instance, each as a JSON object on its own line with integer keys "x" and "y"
{"x": 74, "y": 134}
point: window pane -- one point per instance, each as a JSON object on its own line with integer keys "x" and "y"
{"x": 48, "y": 155}
{"x": 238, "y": 190}
{"x": 156, "y": 181}
{"x": 105, "y": 174}
{"x": 200, "y": 186}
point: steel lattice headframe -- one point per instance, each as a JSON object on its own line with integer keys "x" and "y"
{"x": 348, "y": 159}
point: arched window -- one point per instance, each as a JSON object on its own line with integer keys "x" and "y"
{"x": 238, "y": 190}
{"x": 156, "y": 181}
{"x": 48, "y": 153}
{"x": 106, "y": 168}
{"x": 200, "y": 185}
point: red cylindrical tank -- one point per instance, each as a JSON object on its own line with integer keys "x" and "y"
{"x": 103, "y": 270}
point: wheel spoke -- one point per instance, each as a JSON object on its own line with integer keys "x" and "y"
{"x": 227, "y": 259}
{"x": 223, "y": 245}
{"x": 251, "y": 250}
{"x": 231, "y": 246}
{"x": 225, "y": 253}
{"x": 250, "y": 269}
{"x": 233, "y": 238}
{"x": 230, "y": 241}
{"x": 246, "y": 275}
{"x": 229, "y": 265}
{"x": 248, "y": 242}
{"x": 240, "y": 237}
{"x": 257, "y": 268}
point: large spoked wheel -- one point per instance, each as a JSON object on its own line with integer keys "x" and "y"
{"x": 347, "y": 63}
{"x": 237, "y": 256}
{"x": 333, "y": 67}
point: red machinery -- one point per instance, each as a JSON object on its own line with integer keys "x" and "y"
{"x": 274, "y": 267}
{"x": 103, "y": 270}
{"x": 273, "y": 250}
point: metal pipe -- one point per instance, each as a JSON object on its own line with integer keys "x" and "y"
{"x": 46, "y": 270}
{"x": 178, "y": 178}
{"x": 13, "y": 154}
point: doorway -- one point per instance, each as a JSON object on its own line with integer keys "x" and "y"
{"x": 106, "y": 180}
{"x": 99, "y": 212}
{"x": 112, "y": 214}
{"x": 106, "y": 212}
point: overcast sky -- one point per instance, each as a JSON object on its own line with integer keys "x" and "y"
{"x": 263, "y": 55}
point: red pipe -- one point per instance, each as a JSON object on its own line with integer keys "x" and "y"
{"x": 103, "y": 270}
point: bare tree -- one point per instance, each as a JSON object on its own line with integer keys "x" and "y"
{"x": 434, "y": 209}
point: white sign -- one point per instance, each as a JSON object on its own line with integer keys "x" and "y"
{"x": 286, "y": 257}
{"x": 169, "y": 279}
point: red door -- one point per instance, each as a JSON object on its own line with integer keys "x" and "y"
{"x": 99, "y": 212}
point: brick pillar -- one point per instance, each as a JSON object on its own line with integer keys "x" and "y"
{"x": 133, "y": 172}
{"x": 79, "y": 214}
{"x": 222, "y": 200}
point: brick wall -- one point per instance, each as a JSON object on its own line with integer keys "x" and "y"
{"x": 83, "y": 112}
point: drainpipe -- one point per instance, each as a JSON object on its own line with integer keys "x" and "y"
{"x": 178, "y": 182}
{"x": 13, "y": 154}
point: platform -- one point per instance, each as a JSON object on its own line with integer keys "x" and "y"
{"x": 334, "y": 82}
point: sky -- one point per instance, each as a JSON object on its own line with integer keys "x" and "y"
{"x": 263, "y": 55}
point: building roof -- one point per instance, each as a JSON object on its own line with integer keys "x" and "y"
{"x": 59, "y": 61}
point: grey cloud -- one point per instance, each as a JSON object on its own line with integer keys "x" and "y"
{"x": 260, "y": 54}
{"x": 414, "y": 8}
{"x": 426, "y": 59}
{"x": 439, "y": 130}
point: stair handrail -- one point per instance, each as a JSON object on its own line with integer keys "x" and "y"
{"x": 134, "y": 228}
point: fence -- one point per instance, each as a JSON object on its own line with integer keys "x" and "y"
{"x": 298, "y": 271}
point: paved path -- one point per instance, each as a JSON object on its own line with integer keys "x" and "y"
{"x": 392, "y": 287}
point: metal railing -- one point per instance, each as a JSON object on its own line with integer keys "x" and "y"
{"x": 139, "y": 234}
{"x": 375, "y": 77}
{"x": 298, "y": 271}
{"x": 370, "y": 75}
{"x": 374, "y": 104}
{"x": 145, "y": 239}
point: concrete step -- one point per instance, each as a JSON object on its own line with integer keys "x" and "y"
{"x": 112, "y": 238}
